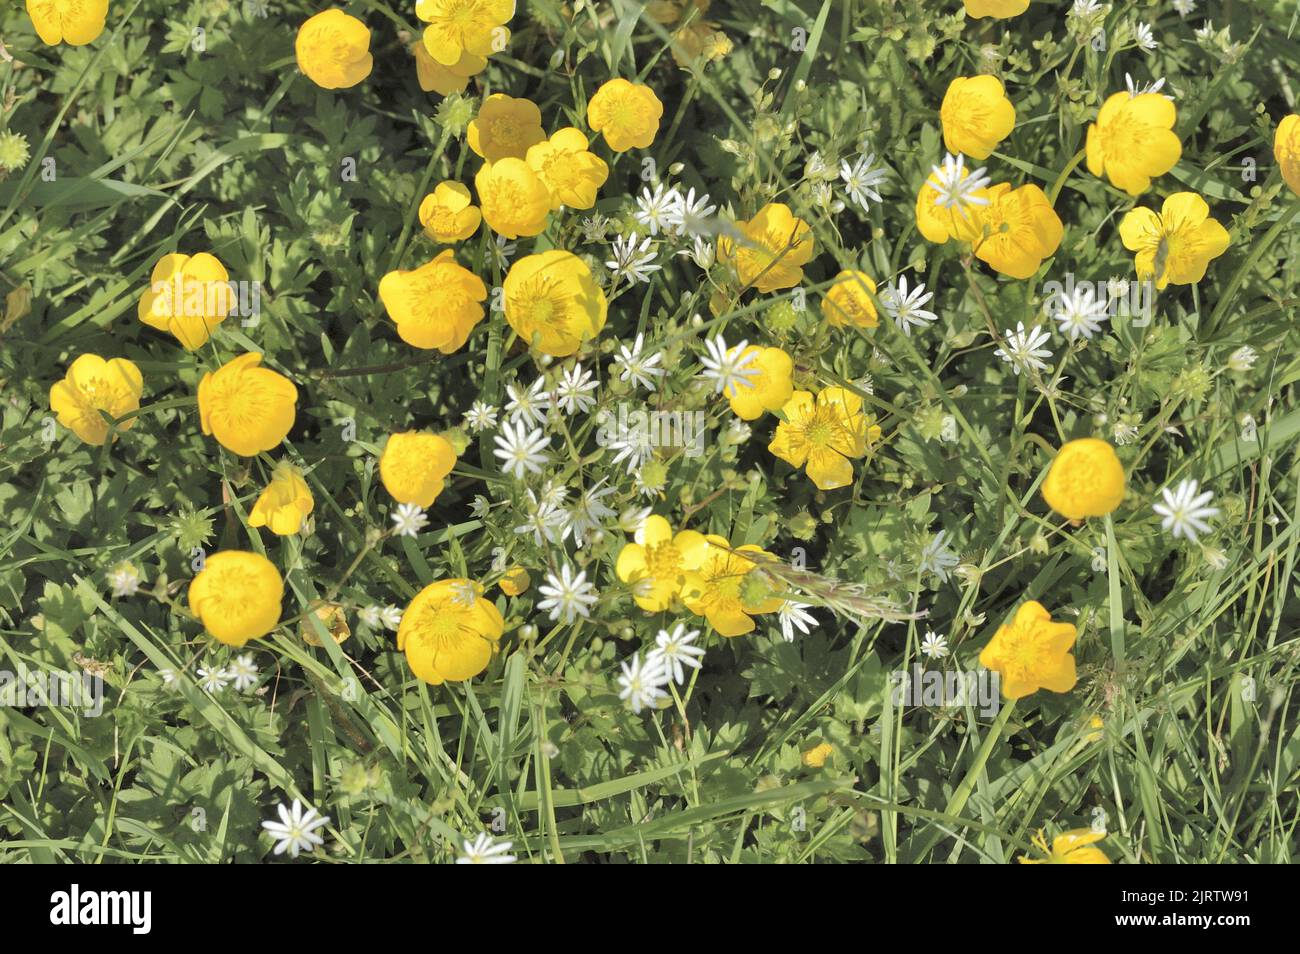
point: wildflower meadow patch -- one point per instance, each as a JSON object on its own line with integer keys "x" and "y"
{"x": 770, "y": 431}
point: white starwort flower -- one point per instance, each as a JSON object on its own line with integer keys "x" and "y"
{"x": 463, "y": 594}
{"x": 573, "y": 391}
{"x": 1206, "y": 32}
{"x": 1145, "y": 39}
{"x": 738, "y": 431}
{"x": 937, "y": 558}
{"x": 480, "y": 416}
{"x": 408, "y": 520}
{"x": 642, "y": 684}
{"x": 1085, "y": 8}
{"x": 904, "y": 306}
{"x": 1243, "y": 359}
{"x": 553, "y": 493}
{"x": 244, "y": 672}
{"x": 391, "y": 616}
{"x": 594, "y": 228}
{"x": 124, "y": 579}
{"x": 862, "y": 179}
{"x": 567, "y": 596}
{"x": 530, "y": 405}
{"x": 673, "y": 650}
{"x": 1216, "y": 558}
{"x": 817, "y": 168}
{"x": 649, "y": 485}
{"x": 702, "y": 252}
{"x": 633, "y": 446}
{"x": 296, "y": 829}
{"x": 654, "y": 210}
{"x": 369, "y": 616}
{"x": 632, "y": 261}
{"x": 1023, "y": 349}
{"x": 546, "y": 521}
{"x": 1124, "y": 432}
{"x": 1136, "y": 90}
{"x": 1080, "y": 313}
{"x": 730, "y": 369}
{"x": 640, "y": 369}
{"x": 934, "y": 645}
{"x": 483, "y": 850}
{"x": 1184, "y": 7}
{"x": 502, "y": 250}
{"x": 632, "y": 520}
{"x": 214, "y": 680}
{"x": 521, "y": 450}
{"x": 589, "y": 512}
{"x": 1185, "y": 512}
{"x": 169, "y": 677}
{"x": 791, "y": 616}
{"x": 689, "y": 215}
{"x": 954, "y": 187}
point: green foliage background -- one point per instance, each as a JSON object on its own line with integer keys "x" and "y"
{"x": 160, "y": 147}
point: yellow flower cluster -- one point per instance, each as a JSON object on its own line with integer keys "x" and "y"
{"x": 701, "y": 571}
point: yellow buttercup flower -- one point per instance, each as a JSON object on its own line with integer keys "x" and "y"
{"x": 1176, "y": 246}
{"x": 961, "y": 221}
{"x": 553, "y": 302}
{"x": 569, "y": 170}
{"x": 998, "y": 9}
{"x": 724, "y": 591}
{"x": 514, "y": 200}
{"x": 92, "y": 385}
{"x": 286, "y": 502}
{"x": 434, "y": 77}
{"x": 457, "y": 27}
{"x": 824, "y": 433}
{"x": 332, "y": 619}
{"x": 1286, "y": 150}
{"x": 74, "y": 22}
{"x": 848, "y": 301}
{"x": 816, "y": 756}
{"x": 436, "y": 305}
{"x": 976, "y": 115}
{"x": 775, "y": 247}
{"x": 1031, "y": 653}
{"x": 448, "y": 215}
{"x": 657, "y": 568}
{"x": 700, "y": 41}
{"x": 626, "y": 114}
{"x": 1075, "y": 847}
{"x": 188, "y": 296}
{"x": 1020, "y": 229}
{"x": 333, "y": 50}
{"x": 237, "y": 595}
{"x": 1133, "y": 141}
{"x": 505, "y": 127}
{"x": 449, "y": 631}
{"x": 249, "y": 409}
{"x": 515, "y": 581}
{"x": 414, "y": 466}
{"x": 668, "y": 12}
{"x": 769, "y": 389}
{"x": 1086, "y": 479}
